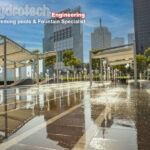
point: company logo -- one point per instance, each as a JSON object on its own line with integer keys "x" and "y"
{"x": 27, "y": 11}
{"x": 39, "y": 12}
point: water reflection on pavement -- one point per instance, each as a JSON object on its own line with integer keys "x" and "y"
{"x": 73, "y": 116}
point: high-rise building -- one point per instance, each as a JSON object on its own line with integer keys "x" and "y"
{"x": 100, "y": 37}
{"x": 60, "y": 37}
{"x": 142, "y": 24}
{"x": 117, "y": 41}
{"x": 131, "y": 38}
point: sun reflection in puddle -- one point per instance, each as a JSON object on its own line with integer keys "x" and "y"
{"x": 110, "y": 96}
{"x": 100, "y": 143}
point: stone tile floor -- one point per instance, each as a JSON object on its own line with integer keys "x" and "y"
{"x": 72, "y": 116}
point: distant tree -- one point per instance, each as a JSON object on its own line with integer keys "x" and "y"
{"x": 130, "y": 69}
{"x": 50, "y": 62}
{"x": 76, "y": 62}
{"x": 122, "y": 68}
{"x": 79, "y": 66}
{"x": 95, "y": 49}
{"x": 148, "y": 62}
{"x": 69, "y": 59}
{"x": 36, "y": 51}
{"x": 95, "y": 62}
{"x": 86, "y": 65}
{"x": 147, "y": 52}
{"x": 141, "y": 63}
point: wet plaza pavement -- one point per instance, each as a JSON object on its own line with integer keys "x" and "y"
{"x": 72, "y": 116}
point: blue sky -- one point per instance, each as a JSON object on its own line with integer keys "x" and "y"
{"x": 117, "y": 15}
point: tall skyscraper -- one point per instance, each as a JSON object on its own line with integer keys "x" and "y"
{"x": 117, "y": 41}
{"x": 100, "y": 37}
{"x": 60, "y": 37}
{"x": 142, "y": 24}
{"x": 131, "y": 38}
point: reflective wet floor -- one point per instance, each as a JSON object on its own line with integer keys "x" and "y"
{"x": 69, "y": 116}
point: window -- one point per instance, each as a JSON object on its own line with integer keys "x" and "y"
{"x": 63, "y": 34}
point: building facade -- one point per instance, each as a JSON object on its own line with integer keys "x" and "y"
{"x": 131, "y": 38}
{"x": 60, "y": 37}
{"x": 142, "y": 24}
{"x": 117, "y": 41}
{"x": 10, "y": 75}
{"x": 20, "y": 74}
{"x": 100, "y": 37}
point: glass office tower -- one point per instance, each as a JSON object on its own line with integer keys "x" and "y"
{"x": 60, "y": 37}
{"x": 142, "y": 24}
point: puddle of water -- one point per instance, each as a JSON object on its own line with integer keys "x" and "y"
{"x": 115, "y": 117}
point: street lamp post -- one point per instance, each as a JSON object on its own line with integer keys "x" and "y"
{"x": 54, "y": 76}
{"x": 104, "y": 64}
{"x": 96, "y": 71}
{"x": 101, "y": 69}
{"x": 85, "y": 73}
{"x": 47, "y": 75}
{"x": 67, "y": 75}
{"x": 74, "y": 75}
{"x": 78, "y": 76}
{"x": 5, "y": 63}
{"x": 135, "y": 66}
{"x": 109, "y": 73}
{"x": 32, "y": 72}
{"x": 60, "y": 75}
